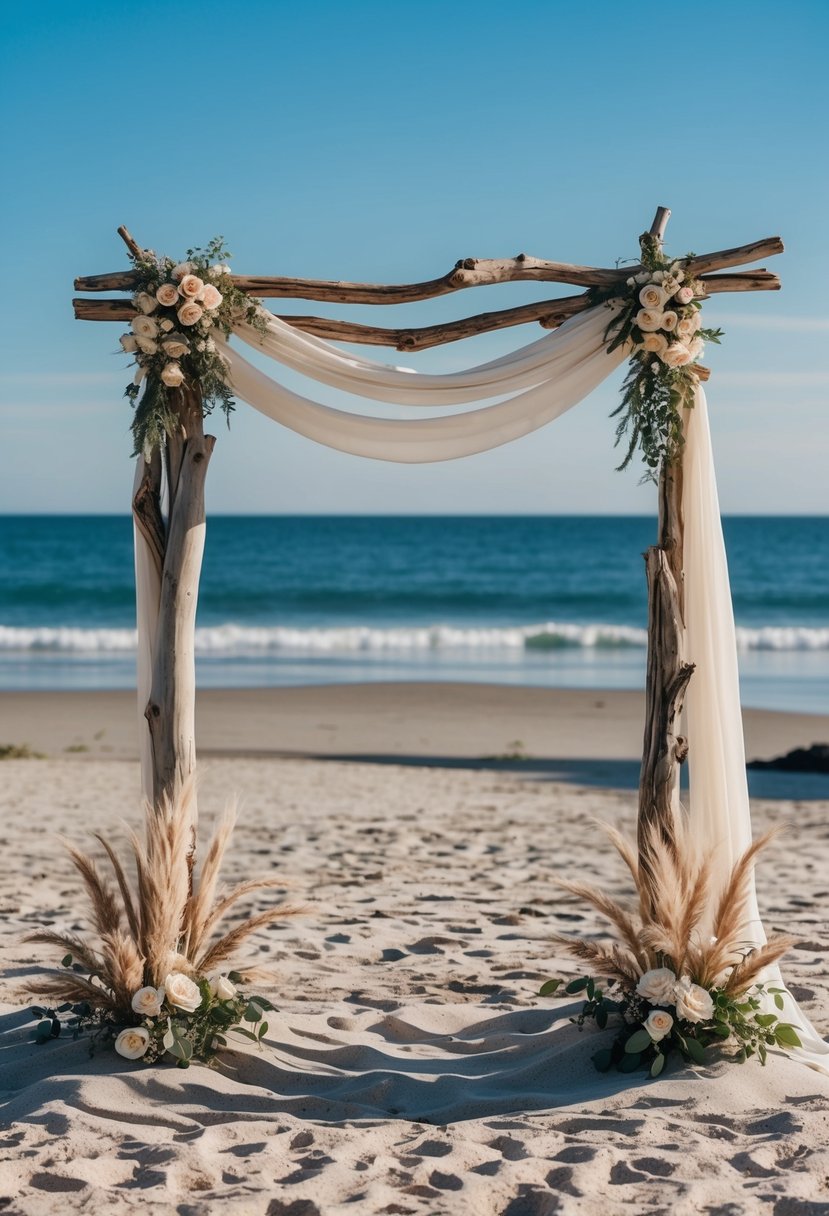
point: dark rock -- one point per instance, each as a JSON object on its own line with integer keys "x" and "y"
{"x": 814, "y": 759}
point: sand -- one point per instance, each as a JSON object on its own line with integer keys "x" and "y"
{"x": 411, "y": 1067}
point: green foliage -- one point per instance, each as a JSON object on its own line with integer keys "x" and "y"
{"x": 197, "y": 356}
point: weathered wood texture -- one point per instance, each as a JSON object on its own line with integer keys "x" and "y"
{"x": 668, "y": 673}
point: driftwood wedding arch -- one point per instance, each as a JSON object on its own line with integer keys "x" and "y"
{"x": 175, "y": 537}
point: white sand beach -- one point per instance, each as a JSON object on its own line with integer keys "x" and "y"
{"x": 411, "y": 1067}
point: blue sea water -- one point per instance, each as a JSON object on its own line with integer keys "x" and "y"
{"x": 554, "y": 600}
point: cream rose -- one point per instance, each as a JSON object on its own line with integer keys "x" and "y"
{"x": 172, "y": 375}
{"x": 658, "y": 1024}
{"x": 133, "y": 1042}
{"x": 685, "y": 295}
{"x": 190, "y": 286}
{"x": 147, "y": 1002}
{"x": 175, "y": 346}
{"x": 145, "y": 302}
{"x": 696, "y": 348}
{"x": 658, "y": 986}
{"x": 676, "y": 355}
{"x": 652, "y": 296}
{"x": 685, "y": 328}
{"x": 167, "y": 295}
{"x": 211, "y": 297}
{"x": 655, "y": 343}
{"x": 183, "y": 268}
{"x": 222, "y": 987}
{"x": 166, "y": 325}
{"x": 189, "y": 313}
{"x": 648, "y": 320}
{"x": 128, "y": 343}
{"x": 144, "y": 327}
{"x": 669, "y": 321}
{"x": 693, "y": 1004}
{"x": 147, "y": 346}
{"x": 179, "y": 989}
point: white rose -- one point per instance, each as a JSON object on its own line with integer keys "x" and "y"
{"x": 222, "y": 987}
{"x": 658, "y": 986}
{"x": 128, "y": 343}
{"x": 211, "y": 296}
{"x": 167, "y": 295}
{"x": 658, "y": 1024}
{"x": 189, "y": 313}
{"x": 648, "y": 320}
{"x": 183, "y": 268}
{"x": 166, "y": 325}
{"x": 669, "y": 320}
{"x": 652, "y": 296}
{"x": 179, "y": 989}
{"x": 685, "y": 328}
{"x": 655, "y": 343}
{"x": 147, "y": 1002}
{"x": 631, "y": 282}
{"x": 696, "y": 348}
{"x": 133, "y": 1042}
{"x": 643, "y": 277}
{"x": 694, "y": 1004}
{"x": 144, "y": 327}
{"x": 685, "y": 295}
{"x": 658, "y": 275}
{"x": 676, "y": 355}
{"x": 172, "y": 376}
{"x": 175, "y": 346}
{"x": 190, "y": 286}
{"x": 145, "y": 302}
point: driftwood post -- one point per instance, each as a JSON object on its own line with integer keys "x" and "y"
{"x": 177, "y": 546}
{"x": 668, "y": 673}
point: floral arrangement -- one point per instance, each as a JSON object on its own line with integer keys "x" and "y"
{"x": 152, "y": 981}
{"x": 675, "y": 986}
{"x": 660, "y": 320}
{"x": 180, "y": 306}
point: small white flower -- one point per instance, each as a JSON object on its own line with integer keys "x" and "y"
{"x": 209, "y": 345}
{"x": 144, "y": 327}
{"x": 676, "y": 355}
{"x": 658, "y": 1024}
{"x": 172, "y": 376}
{"x": 179, "y": 989}
{"x": 133, "y": 1042}
{"x": 222, "y": 987}
{"x": 696, "y": 348}
{"x": 657, "y": 986}
{"x": 183, "y": 268}
{"x": 648, "y": 320}
{"x": 211, "y": 296}
{"x": 643, "y": 276}
{"x": 190, "y": 287}
{"x": 145, "y": 302}
{"x": 189, "y": 313}
{"x": 693, "y": 1004}
{"x": 671, "y": 284}
{"x": 167, "y": 295}
{"x": 166, "y": 325}
{"x": 652, "y": 296}
{"x": 658, "y": 276}
{"x": 147, "y": 1002}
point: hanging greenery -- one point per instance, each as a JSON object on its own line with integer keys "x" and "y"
{"x": 660, "y": 320}
{"x": 180, "y": 306}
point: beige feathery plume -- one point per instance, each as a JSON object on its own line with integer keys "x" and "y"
{"x": 161, "y": 921}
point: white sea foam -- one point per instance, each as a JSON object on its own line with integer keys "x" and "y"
{"x": 231, "y": 639}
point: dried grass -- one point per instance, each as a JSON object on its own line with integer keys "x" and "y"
{"x": 166, "y": 918}
{"x": 674, "y": 893}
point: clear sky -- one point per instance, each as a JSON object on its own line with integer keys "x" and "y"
{"x": 383, "y": 141}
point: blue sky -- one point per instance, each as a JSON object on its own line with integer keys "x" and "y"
{"x": 382, "y": 142}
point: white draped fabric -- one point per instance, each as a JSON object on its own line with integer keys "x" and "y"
{"x": 543, "y": 380}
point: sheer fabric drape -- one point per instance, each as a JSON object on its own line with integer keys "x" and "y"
{"x": 546, "y": 378}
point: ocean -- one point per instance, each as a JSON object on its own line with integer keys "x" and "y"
{"x": 555, "y": 601}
